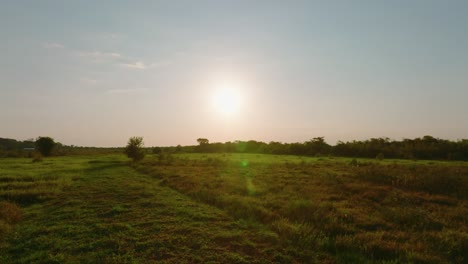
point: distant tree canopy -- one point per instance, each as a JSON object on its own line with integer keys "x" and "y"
{"x": 203, "y": 141}
{"x": 157, "y": 150}
{"x": 178, "y": 148}
{"x": 203, "y": 145}
{"x": 11, "y": 144}
{"x": 15, "y": 148}
{"x": 134, "y": 149}
{"x": 426, "y": 147}
{"x": 45, "y": 145}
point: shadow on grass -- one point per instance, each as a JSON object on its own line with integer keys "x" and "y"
{"x": 104, "y": 165}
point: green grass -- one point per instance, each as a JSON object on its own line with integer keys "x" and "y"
{"x": 232, "y": 208}
{"x": 109, "y": 213}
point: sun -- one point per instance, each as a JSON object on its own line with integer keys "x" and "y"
{"x": 227, "y": 100}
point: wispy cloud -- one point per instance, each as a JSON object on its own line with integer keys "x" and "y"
{"x": 111, "y": 36}
{"x": 88, "y": 81}
{"x": 136, "y": 65}
{"x": 52, "y": 45}
{"x": 160, "y": 64}
{"x": 125, "y": 91}
{"x": 99, "y": 55}
{"x": 112, "y": 58}
{"x": 143, "y": 66}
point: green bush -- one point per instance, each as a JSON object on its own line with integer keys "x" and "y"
{"x": 37, "y": 157}
{"x": 134, "y": 149}
{"x": 380, "y": 156}
{"x": 45, "y": 145}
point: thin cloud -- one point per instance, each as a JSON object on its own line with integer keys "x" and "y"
{"x": 160, "y": 64}
{"x": 100, "y": 55}
{"x": 52, "y": 45}
{"x": 119, "y": 59}
{"x": 136, "y": 65}
{"x": 88, "y": 81}
{"x": 125, "y": 91}
{"x": 112, "y": 36}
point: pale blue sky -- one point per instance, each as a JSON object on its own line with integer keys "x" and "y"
{"x": 94, "y": 73}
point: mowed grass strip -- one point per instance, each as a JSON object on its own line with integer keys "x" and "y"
{"x": 110, "y": 213}
{"x": 24, "y": 182}
{"x": 360, "y": 211}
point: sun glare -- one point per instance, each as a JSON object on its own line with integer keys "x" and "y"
{"x": 227, "y": 100}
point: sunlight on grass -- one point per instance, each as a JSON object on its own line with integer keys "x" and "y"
{"x": 246, "y": 206}
{"x": 349, "y": 211}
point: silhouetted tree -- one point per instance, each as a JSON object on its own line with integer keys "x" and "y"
{"x": 178, "y": 148}
{"x": 203, "y": 145}
{"x": 134, "y": 149}
{"x": 157, "y": 150}
{"x": 203, "y": 141}
{"x": 45, "y": 145}
{"x": 317, "y": 146}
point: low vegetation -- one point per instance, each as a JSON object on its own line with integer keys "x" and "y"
{"x": 45, "y": 145}
{"x": 361, "y": 211}
{"x": 425, "y": 148}
{"x": 134, "y": 149}
{"x": 232, "y": 208}
{"x": 10, "y": 214}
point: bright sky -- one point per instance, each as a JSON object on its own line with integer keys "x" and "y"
{"x": 94, "y": 73}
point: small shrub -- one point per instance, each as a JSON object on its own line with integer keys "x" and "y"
{"x": 284, "y": 228}
{"x": 353, "y": 163}
{"x": 165, "y": 158}
{"x": 5, "y": 228}
{"x": 157, "y": 150}
{"x": 380, "y": 156}
{"x": 376, "y": 174}
{"x": 36, "y": 157}
{"x": 10, "y": 213}
{"x": 307, "y": 211}
{"x": 45, "y": 145}
{"x": 134, "y": 149}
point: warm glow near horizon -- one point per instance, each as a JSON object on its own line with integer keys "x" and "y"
{"x": 232, "y": 70}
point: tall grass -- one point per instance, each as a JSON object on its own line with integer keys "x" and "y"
{"x": 23, "y": 183}
{"x": 366, "y": 211}
{"x": 433, "y": 179}
{"x": 10, "y": 214}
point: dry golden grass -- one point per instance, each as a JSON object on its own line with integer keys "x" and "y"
{"x": 10, "y": 214}
{"x": 368, "y": 211}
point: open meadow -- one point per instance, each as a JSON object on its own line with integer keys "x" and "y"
{"x": 232, "y": 208}
{"x": 234, "y": 131}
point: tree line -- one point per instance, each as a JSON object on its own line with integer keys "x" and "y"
{"x": 46, "y": 146}
{"x": 427, "y": 147}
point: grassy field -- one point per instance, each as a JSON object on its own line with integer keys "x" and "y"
{"x": 232, "y": 208}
